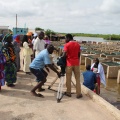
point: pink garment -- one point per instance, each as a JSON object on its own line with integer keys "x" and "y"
{"x": 47, "y": 41}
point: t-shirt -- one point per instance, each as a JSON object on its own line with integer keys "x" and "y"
{"x": 41, "y": 60}
{"x": 72, "y": 48}
{"x": 89, "y": 79}
{"x": 38, "y": 45}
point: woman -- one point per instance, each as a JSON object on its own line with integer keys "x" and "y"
{"x": 47, "y": 41}
{"x": 16, "y": 44}
{"x": 2, "y": 65}
{"x": 10, "y": 66}
{"x": 27, "y": 52}
{"x": 98, "y": 69}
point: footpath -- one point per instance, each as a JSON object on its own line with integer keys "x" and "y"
{"x": 18, "y": 104}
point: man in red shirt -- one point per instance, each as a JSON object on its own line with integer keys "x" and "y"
{"x": 72, "y": 54}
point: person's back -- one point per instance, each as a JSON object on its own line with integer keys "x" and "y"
{"x": 40, "y": 60}
{"x": 89, "y": 78}
{"x": 73, "y": 49}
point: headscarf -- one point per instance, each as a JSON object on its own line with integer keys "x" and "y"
{"x": 1, "y": 36}
{"x": 5, "y": 39}
{"x": 8, "y": 48}
{"x": 29, "y": 33}
{"x": 17, "y": 38}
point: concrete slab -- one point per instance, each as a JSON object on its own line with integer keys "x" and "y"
{"x": 18, "y": 104}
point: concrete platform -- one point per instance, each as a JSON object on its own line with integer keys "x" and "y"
{"x": 18, "y": 104}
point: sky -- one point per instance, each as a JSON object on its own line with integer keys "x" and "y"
{"x": 65, "y": 16}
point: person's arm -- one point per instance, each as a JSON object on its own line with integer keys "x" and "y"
{"x": 79, "y": 54}
{"x": 99, "y": 67}
{"x": 52, "y": 68}
{"x": 64, "y": 54}
{"x": 95, "y": 78}
{"x": 34, "y": 53}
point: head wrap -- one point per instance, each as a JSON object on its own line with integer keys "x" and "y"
{"x": 35, "y": 34}
{"x": 29, "y": 33}
{"x": 6, "y": 37}
{"x": 17, "y": 38}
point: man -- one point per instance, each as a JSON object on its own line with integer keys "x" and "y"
{"x": 37, "y": 65}
{"x": 89, "y": 78}
{"x": 72, "y": 54}
{"x": 39, "y": 44}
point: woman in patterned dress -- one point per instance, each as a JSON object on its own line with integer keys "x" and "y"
{"x": 10, "y": 66}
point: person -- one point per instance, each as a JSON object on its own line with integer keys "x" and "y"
{"x": 98, "y": 69}
{"x": 10, "y": 66}
{"x": 34, "y": 38}
{"x": 2, "y": 65}
{"x": 71, "y": 51}
{"x": 37, "y": 65}
{"x": 39, "y": 44}
{"x": 30, "y": 35}
{"x": 16, "y": 44}
{"x": 47, "y": 41}
{"x": 1, "y": 37}
{"x": 27, "y": 52}
{"x": 89, "y": 78}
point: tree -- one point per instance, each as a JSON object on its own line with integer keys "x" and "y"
{"x": 38, "y": 28}
{"x": 49, "y": 32}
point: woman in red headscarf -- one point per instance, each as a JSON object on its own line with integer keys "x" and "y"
{"x": 16, "y": 44}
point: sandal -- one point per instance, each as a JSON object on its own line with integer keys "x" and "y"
{"x": 37, "y": 95}
{"x": 10, "y": 85}
{"x": 67, "y": 94}
{"x": 41, "y": 89}
{"x": 80, "y": 96}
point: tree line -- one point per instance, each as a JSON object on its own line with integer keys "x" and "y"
{"x": 49, "y": 32}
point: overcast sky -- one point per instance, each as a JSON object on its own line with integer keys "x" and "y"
{"x": 76, "y": 16}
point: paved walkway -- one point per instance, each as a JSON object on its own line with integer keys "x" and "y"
{"x": 18, "y": 104}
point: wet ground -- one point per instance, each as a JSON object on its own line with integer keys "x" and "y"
{"x": 112, "y": 91}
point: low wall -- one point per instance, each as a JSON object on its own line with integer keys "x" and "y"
{"x": 99, "y": 100}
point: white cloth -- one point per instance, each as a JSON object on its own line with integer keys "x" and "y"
{"x": 27, "y": 52}
{"x": 33, "y": 41}
{"x": 38, "y": 45}
{"x": 101, "y": 72}
{"x": 26, "y": 49}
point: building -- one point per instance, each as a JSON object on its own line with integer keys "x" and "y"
{"x": 20, "y": 31}
{"x": 4, "y": 30}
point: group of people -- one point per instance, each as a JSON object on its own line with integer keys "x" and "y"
{"x": 71, "y": 52}
{"x": 10, "y": 47}
{"x": 40, "y": 50}
{"x": 93, "y": 76}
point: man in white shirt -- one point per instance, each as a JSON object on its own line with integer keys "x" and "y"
{"x": 39, "y": 44}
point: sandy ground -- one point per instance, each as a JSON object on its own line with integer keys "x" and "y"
{"x": 18, "y": 104}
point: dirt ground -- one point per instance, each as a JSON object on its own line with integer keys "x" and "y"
{"x": 18, "y": 104}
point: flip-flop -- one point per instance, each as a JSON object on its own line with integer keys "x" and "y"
{"x": 65, "y": 93}
{"x": 41, "y": 89}
{"x": 37, "y": 95}
{"x": 40, "y": 95}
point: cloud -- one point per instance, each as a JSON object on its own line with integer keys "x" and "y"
{"x": 87, "y": 16}
{"x": 111, "y": 6}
